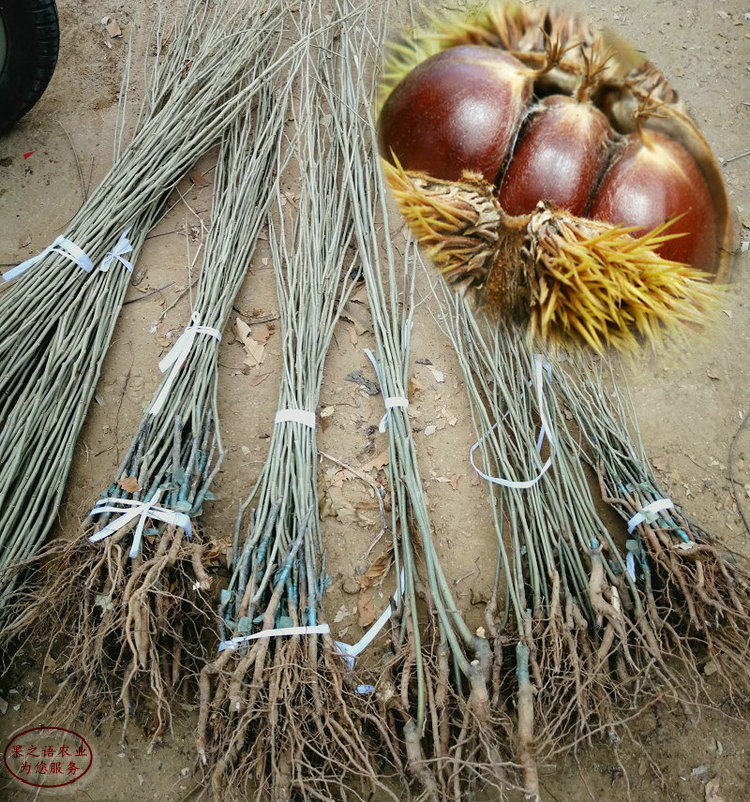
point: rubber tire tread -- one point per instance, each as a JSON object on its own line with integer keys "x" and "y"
{"x": 33, "y": 40}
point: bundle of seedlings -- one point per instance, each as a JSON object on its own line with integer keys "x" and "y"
{"x": 58, "y": 313}
{"x": 555, "y": 173}
{"x": 692, "y": 585}
{"x": 122, "y": 605}
{"x": 431, "y": 688}
{"x": 585, "y": 653}
{"x": 274, "y": 717}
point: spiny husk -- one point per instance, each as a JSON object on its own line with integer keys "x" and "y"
{"x": 567, "y": 277}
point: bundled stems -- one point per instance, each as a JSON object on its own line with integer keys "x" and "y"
{"x": 129, "y": 606}
{"x": 275, "y": 706}
{"x": 695, "y": 588}
{"x": 57, "y": 316}
{"x": 606, "y": 620}
{"x": 435, "y": 691}
{"x": 586, "y": 650}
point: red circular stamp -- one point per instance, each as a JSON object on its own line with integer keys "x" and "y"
{"x": 48, "y": 757}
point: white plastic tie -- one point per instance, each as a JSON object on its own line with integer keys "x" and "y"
{"x": 129, "y": 510}
{"x": 123, "y": 246}
{"x": 391, "y": 401}
{"x": 176, "y": 357}
{"x": 540, "y": 363}
{"x": 63, "y": 246}
{"x": 284, "y": 632}
{"x": 303, "y": 416}
{"x": 650, "y": 513}
{"x": 351, "y": 652}
{"x": 630, "y": 565}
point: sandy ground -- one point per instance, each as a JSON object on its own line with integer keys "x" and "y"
{"x": 690, "y": 407}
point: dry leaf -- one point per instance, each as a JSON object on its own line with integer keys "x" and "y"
{"x": 198, "y": 180}
{"x": 365, "y": 610}
{"x": 129, "y": 484}
{"x": 661, "y": 463}
{"x": 260, "y": 378}
{"x": 329, "y": 479}
{"x": 475, "y": 479}
{"x": 438, "y": 375}
{"x": 377, "y": 571}
{"x": 360, "y": 295}
{"x": 712, "y": 790}
{"x": 164, "y": 334}
{"x": 113, "y": 29}
{"x": 454, "y": 480}
{"x": 358, "y": 377}
{"x": 377, "y": 462}
{"x": 24, "y": 242}
{"x": 333, "y": 503}
{"x": 241, "y": 329}
{"x": 255, "y": 351}
{"x": 711, "y": 374}
{"x": 363, "y": 519}
{"x": 261, "y": 334}
{"x": 359, "y": 315}
{"x": 414, "y": 387}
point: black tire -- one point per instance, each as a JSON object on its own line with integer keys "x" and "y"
{"x": 29, "y": 41}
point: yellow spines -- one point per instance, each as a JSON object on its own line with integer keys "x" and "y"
{"x": 572, "y": 280}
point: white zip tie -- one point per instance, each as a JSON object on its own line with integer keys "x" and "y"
{"x": 233, "y": 643}
{"x": 303, "y": 416}
{"x": 545, "y": 431}
{"x": 122, "y": 247}
{"x": 649, "y": 513}
{"x": 390, "y": 402}
{"x": 129, "y": 510}
{"x": 63, "y": 246}
{"x": 349, "y": 653}
{"x": 176, "y": 357}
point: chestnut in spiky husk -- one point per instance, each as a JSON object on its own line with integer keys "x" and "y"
{"x": 596, "y": 211}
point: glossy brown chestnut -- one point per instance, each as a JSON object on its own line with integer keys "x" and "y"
{"x": 458, "y": 110}
{"x": 560, "y": 157}
{"x": 654, "y": 180}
